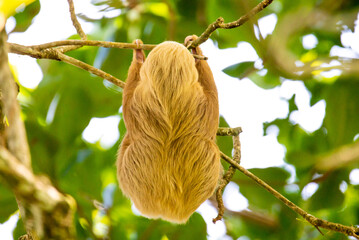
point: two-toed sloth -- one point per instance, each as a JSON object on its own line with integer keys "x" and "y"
{"x": 168, "y": 163}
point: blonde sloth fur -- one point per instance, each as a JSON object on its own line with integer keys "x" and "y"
{"x": 168, "y": 163}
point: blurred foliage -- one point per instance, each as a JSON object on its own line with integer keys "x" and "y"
{"x": 11, "y": 7}
{"x": 61, "y": 107}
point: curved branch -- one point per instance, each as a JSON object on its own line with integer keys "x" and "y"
{"x": 219, "y": 23}
{"x": 316, "y": 222}
{"x": 227, "y": 177}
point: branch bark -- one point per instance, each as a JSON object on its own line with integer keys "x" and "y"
{"x": 219, "y": 23}
{"x": 316, "y": 222}
{"x": 47, "y": 214}
{"x": 55, "y": 54}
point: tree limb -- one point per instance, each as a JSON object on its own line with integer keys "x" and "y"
{"x": 219, "y": 23}
{"x": 77, "y": 26}
{"x": 12, "y": 129}
{"x": 53, "y": 53}
{"x": 316, "y": 222}
{"x": 227, "y": 177}
{"x": 74, "y": 20}
{"x": 105, "y": 44}
{"x": 46, "y": 213}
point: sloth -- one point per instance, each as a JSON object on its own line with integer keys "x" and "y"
{"x": 168, "y": 163}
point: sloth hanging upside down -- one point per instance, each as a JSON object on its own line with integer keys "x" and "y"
{"x": 168, "y": 163}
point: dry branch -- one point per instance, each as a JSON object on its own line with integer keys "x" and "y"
{"x": 74, "y": 20}
{"x": 219, "y": 23}
{"x": 316, "y": 222}
{"x": 77, "y": 26}
{"x": 104, "y": 44}
{"x": 53, "y": 53}
{"x": 234, "y": 132}
{"x": 227, "y": 177}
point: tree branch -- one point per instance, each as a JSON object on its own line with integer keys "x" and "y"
{"x": 74, "y": 20}
{"x": 50, "y": 211}
{"x": 104, "y": 44}
{"x": 219, "y": 23}
{"x": 316, "y": 222}
{"x": 12, "y": 129}
{"x": 227, "y": 177}
{"x": 224, "y": 131}
{"x": 77, "y": 26}
{"x": 53, "y": 53}
{"x": 46, "y": 213}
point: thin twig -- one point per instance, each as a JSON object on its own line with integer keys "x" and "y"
{"x": 219, "y": 23}
{"x": 77, "y": 26}
{"x": 227, "y": 177}
{"x": 74, "y": 20}
{"x": 316, "y": 222}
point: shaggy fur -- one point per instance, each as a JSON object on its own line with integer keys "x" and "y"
{"x": 168, "y": 162}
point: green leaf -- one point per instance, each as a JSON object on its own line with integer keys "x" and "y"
{"x": 19, "y": 230}
{"x": 239, "y": 70}
{"x": 25, "y": 17}
{"x": 195, "y": 226}
{"x": 342, "y": 108}
{"x": 268, "y": 81}
{"x": 328, "y": 194}
{"x": 8, "y": 204}
{"x": 292, "y": 105}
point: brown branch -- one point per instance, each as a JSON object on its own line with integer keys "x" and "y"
{"x": 74, "y": 20}
{"x": 46, "y": 213}
{"x": 105, "y": 44}
{"x": 13, "y": 46}
{"x": 223, "y": 131}
{"x": 55, "y": 54}
{"x": 219, "y": 23}
{"x": 13, "y": 134}
{"x": 316, "y": 222}
{"x": 50, "y": 211}
{"x": 77, "y": 26}
{"x": 227, "y": 178}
